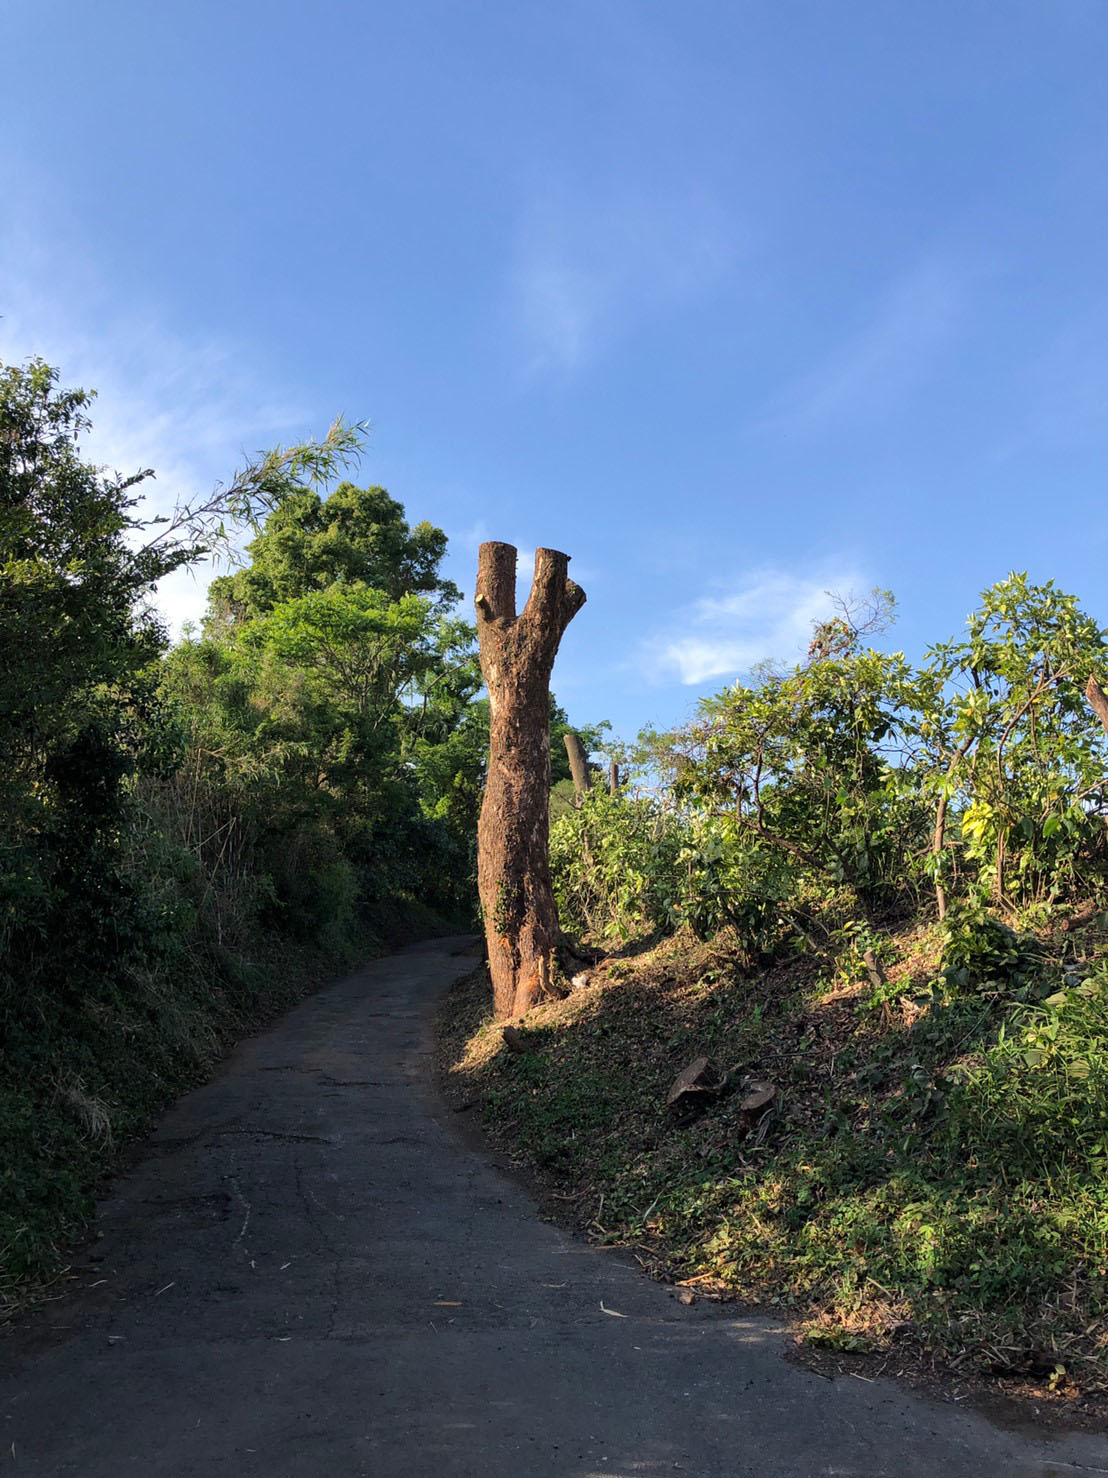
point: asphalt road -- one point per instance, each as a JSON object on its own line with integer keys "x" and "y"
{"x": 308, "y": 1273}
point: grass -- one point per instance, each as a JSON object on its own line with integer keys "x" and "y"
{"x": 930, "y": 1182}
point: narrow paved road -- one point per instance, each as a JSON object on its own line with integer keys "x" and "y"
{"x": 308, "y": 1275}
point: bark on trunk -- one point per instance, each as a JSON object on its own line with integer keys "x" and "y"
{"x": 513, "y": 836}
{"x": 1097, "y": 701}
{"x": 578, "y": 766}
{"x": 613, "y": 778}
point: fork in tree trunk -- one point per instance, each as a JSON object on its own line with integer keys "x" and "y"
{"x": 513, "y": 836}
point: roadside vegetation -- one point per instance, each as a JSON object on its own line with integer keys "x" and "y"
{"x": 194, "y": 834}
{"x": 864, "y": 903}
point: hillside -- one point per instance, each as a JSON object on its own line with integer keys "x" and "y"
{"x": 924, "y": 1189}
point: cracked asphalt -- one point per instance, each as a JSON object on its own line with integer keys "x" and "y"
{"x": 308, "y": 1273}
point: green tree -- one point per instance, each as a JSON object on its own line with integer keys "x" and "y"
{"x": 355, "y": 537}
{"x": 335, "y": 680}
{"x": 809, "y": 762}
{"x": 1009, "y": 750}
{"x": 75, "y": 653}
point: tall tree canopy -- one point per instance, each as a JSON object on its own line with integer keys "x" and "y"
{"x": 356, "y": 537}
{"x": 327, "y": 690}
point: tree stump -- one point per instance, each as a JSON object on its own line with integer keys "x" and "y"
{"x": 513, "y": 835}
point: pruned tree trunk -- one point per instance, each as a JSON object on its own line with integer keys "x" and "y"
{"x": 513, "y": 836}
{"x": 1097, "y": 701}
{"x": 578, "y": 766}
{"x": 613, "y": 778}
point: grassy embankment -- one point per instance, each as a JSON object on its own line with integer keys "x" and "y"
{"x": 929, "y": 1184}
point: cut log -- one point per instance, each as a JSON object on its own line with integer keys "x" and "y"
{"x": 701, "y": 1079}
{"x": 1084, "y": 915}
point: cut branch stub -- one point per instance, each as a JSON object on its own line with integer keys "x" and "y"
{"x": 874, "y": 969}
{"x": 496, "y": 582}
{"x": 513, "y": 861}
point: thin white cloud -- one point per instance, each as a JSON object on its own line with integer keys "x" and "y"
{"x": 767, "y": 615}
{"x": 187, "y": 408}
{"x": 587, "y": 268}
{"x": 876, "y": 367}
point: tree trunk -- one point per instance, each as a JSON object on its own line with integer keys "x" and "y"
{"x": 613, "y": 778}
{"x": 578, "y": 766}
{"x": 1097, "y": 701}
{"x": 513, "y": 835}
{"x": 938, "y": 842}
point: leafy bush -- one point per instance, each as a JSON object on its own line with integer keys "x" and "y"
{"x": 1036, "y": 1104}
{"x": 982, "y": 956}
{"x": 617, "y": 864}
{"x": 809, "y": 764}
{"x": 1007, "y": 738}
{"x": 730, "y": 880}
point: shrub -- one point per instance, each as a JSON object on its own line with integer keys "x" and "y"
{"x": 1036, "y": 1103}
{"x": 616, "y": 862}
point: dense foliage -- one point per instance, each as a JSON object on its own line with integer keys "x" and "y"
{"x": 323, "y": 707}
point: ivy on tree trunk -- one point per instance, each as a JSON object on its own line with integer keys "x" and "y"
{"x": 513, "y": 842}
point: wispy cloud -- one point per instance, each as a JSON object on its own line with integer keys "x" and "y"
{"x": 877, "y": 366}
{"x": 588, "y": 268}
{"x": 187, "y": 408}
{"x": 767, "y": 614}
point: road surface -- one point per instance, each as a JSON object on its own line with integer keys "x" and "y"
{"x": 308, "y": 1273}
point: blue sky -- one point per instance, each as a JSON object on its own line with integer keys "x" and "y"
{"x": 734, "y": 302}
